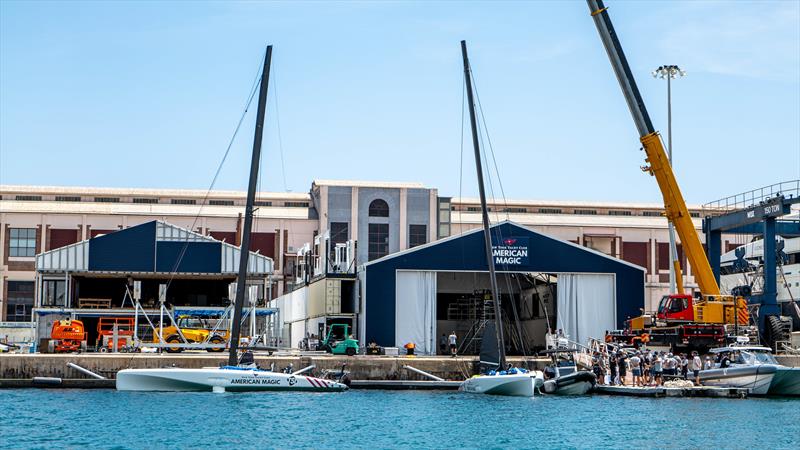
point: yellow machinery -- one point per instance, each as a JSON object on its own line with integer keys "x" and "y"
{"x": 712, "y": 307}
{"x": 195, "y": 329}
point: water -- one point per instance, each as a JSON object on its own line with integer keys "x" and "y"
{"x": 387, "y": 419}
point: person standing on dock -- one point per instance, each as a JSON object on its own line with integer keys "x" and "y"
{"x": 636, "y": 369}
{"x": 684, "y": 367}
{"x": 621, "y": 367}
{"x": 443, "y": 344}
{"x": 612, "y": 366}
{"x": 697, "y": 364}
{"x": 453, "y": 344}
{"x": 658, "y": 370}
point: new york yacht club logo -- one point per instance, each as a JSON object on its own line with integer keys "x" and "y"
{"x": 511, "y": 251}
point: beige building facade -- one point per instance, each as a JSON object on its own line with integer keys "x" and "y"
{"x": 34, "y": 219}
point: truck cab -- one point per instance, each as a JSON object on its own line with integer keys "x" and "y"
{"x": 676, "y": 307}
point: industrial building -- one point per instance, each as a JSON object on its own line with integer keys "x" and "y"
{"x": 545, "y": 284}
{"x": 374, "y": 219}
{"x": 190, "y": 273}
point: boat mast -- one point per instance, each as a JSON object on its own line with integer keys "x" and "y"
{"x": 248, "y": 211}
{"x": 484, "y": 211}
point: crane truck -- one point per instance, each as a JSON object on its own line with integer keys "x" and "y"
{"x": 682, "y": 320}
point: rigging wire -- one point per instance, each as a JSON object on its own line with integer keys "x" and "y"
{"x": 491, "y": 147}
{"x": 253, "y": 90}
{"x": 278, "y": 124}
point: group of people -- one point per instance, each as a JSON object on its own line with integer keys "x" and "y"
{"x": 450, "y": 342}
{"x": 646, "y": 367}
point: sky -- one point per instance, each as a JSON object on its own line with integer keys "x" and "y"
{"x": 148, "y": 94}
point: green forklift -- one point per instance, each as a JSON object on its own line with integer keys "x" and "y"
{"x": 338, "y": 341}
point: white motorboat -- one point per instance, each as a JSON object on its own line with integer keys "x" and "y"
{"x": 785, "y": 381}
{"x": 751, "y": 367}
{"x": 562, "y": 376}
{"x": 516, "y": 382}
{"x": 222, "y": 379}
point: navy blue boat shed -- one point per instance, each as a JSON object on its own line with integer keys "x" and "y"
{"x": 515, "y": 248}
{"x": 153, "y": 247}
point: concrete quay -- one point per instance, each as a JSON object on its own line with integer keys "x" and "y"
{"x": 28, "y": 366}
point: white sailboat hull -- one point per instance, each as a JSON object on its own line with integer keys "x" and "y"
{"x": 755, "y": 378}
{"x": 219, "y": 380}
{"x": 518, "y": 385}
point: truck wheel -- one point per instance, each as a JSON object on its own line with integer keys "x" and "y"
{"x": 350, "y": 351}
{"x": 779, "y": 329}
{"x": 173, "y": 339}
{"x": 216, "y": 340}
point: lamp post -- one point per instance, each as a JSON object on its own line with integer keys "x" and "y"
{"x": 668, "y": 73}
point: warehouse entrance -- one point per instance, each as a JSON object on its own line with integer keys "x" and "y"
{"x": 434, "y": 304}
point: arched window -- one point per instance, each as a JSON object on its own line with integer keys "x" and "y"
{"x": 379, "y": 208}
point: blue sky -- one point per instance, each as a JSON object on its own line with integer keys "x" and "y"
{"x": 147, "y": 94}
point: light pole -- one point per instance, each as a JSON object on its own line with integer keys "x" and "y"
{"x": 670, "y": 72}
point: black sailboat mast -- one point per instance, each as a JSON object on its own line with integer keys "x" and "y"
{"x": 248, "y": 211}
{"x": 484, "y": 211}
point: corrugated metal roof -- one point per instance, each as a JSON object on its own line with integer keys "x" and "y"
{"x": 147, "y": 209}
{"x": 75, "y": 257}
{"x": 144, "y": 192}
{"x": 376, "y": 184}
{"x": 576, "y": 220}
{"x": 563, "y": 203}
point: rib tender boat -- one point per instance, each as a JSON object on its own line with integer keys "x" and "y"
{"x": 228, "y": 378}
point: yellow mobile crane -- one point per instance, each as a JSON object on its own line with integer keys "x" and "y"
{"x": 711, "y": 307}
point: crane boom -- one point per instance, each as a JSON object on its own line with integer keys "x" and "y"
{"x": 659, "y": 166}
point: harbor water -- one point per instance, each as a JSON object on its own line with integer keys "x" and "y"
{"x": 387, "y": 419}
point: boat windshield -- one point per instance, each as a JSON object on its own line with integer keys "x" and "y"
{"x": 755, "y": 357}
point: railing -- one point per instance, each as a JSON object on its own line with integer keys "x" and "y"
{"x": 788, "y": 189}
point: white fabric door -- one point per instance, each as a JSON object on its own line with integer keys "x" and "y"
{"x": 415, "y": 310}
{"x": 586, "y": 305}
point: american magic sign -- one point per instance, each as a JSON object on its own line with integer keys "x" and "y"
{"x": 511, "y": 251}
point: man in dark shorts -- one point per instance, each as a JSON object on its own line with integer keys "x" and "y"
{"x": 612, "y": 368}
{"x": 453, "y": 344}
{"x": 621, "y": 367}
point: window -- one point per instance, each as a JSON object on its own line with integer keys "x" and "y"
{"x": 588, "y": 212}
{"x": 379, "y": 208}
{"x": 19, "y": 301}
{"x": 145, "y": 200}
{"x": 473, "y": 208}
{"x": 221, "y": 202}
{"x": 22, "y": 242}
{"x": 262, "y": 203}
{"x": 515, "y": 210}
{"x": 338, "y": 232}
{"x": 67, "y": 198}
{"x": 417, "y": 235}
{"x": 29, "y": 198}
{"x": 549, "y": 210}
{"x": 378, "y": 240}
{"x": 295, "y": 204}
{"x": 619, "y": 213}
{"x": 694, "y": 214}
{"x": 106, "y": 199}
{"x": 183, "y": 201}
{"x": 652, "y": 213}
{"x": 54, "y": 293}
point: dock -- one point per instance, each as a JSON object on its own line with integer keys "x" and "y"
{"x": 660, "y": 391}
{"x": 396, "y": 385}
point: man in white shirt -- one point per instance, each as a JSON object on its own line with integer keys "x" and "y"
{"x": 697, "y": 364}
